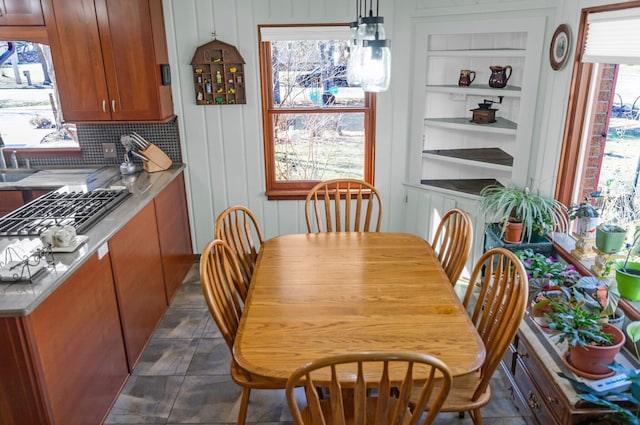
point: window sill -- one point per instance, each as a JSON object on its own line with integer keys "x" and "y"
{"x": 563, "y": 244}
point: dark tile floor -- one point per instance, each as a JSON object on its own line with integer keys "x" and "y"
{"x": 183, "y": 377}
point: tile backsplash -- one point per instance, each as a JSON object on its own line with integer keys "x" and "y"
{"x": 92, "y": 136}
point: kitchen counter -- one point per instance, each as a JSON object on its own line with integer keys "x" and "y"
{"x": 21, "y": 298}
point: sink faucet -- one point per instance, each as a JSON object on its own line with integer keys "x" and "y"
{"x": 14, "y": 159}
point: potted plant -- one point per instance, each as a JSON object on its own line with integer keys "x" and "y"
{"x": 522, "y": 211}
{"x": 587, "y": 217}
{"x": 628, "y": 273}
{"x": 600, "y": 296}
{"x": 610, "y": 238}
{"x": 592, "y": 343}
{"x": 549, "y": 280}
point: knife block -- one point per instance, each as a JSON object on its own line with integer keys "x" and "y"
{"x": 157, "y": 159}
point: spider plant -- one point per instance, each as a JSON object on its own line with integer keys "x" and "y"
{"x": 535, "y": 211}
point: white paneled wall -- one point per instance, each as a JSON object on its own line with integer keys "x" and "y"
{"x": 222, "y": 145}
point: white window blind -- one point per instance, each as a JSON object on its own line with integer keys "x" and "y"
{"x": 613, "y": 37}
{"x": 333, "y": 32}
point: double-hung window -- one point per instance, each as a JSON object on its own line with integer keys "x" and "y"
{"x": 316, "y": 125}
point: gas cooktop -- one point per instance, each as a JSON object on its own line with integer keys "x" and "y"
{"x": 78, "y": 209}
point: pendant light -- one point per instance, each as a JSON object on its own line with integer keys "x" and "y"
{"x": 354, "y": 67}
{"x": 375, "y": 56}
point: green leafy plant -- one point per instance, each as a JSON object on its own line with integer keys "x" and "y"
{"x": 535, "y": 211}
{"x": 620, "y": 415}
{"x": 570, "y": 322}
{"x": 545, "y": 273}
{"x": 582, "y": 210}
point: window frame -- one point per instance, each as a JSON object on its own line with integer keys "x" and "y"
{"x": 278, "y": 190}
{"x": 576, "y": 116}
{"x": 36, "y": 34}
{"x": 575, "y": 123}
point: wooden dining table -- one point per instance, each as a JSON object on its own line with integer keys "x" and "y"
{"x": 314, "y": 295}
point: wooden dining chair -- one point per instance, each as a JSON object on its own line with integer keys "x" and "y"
{"x": 452, "y": 242}
{"x": 361, "y": 389}
{"x": 343, "y": 205}
{"x": 496, "y": 299}
{"x": 239, "y": 228}
{"x": 225, "y": 292}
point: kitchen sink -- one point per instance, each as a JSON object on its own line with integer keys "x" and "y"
{"x": 10, "y": 175}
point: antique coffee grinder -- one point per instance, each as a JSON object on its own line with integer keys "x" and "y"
{"x": 484, "y": 113}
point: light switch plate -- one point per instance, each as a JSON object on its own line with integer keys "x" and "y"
{"x": 109, "y": 150}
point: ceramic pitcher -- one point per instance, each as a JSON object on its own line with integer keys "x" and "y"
{"x": 499, "y": 76}
{"x": 466, "y": 77}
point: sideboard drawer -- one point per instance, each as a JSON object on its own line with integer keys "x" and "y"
{"x": 549, "y": 392}
{"x": 532, "y": 396}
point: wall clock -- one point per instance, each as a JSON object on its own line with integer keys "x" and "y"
{"x": 560, "y": 47}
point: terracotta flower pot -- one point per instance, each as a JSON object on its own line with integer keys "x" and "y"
{"x": 513, "y": 234}
{"x": 592, "y": 358}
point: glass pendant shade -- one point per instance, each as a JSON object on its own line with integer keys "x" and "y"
{"x": 375, "y": 55}
{"x": 354, "y": 68}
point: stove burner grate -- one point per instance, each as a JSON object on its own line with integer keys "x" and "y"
{"x": 78, "y": 209}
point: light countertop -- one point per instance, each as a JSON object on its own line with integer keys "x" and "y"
{"x": 21, "y": 298}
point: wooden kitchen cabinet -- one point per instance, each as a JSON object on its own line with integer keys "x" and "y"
{"x": 108, "y": 56}
{"x": 174, "y": 234}
{"x": 137, "y": 270}
{"x": 65, "y": 362}
{"x": 9, "y": 201}
{"x": 21, "y": 12}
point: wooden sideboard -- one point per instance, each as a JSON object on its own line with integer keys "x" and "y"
{"x": 542, "y": 397}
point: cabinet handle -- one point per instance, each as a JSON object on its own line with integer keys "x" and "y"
{"x": 113, "y": 106}
{"x": 533, "y": 401}
{"x": 523, "y": 355}
{"x": 104, "y": 105}
{"x": 551, "y": 400}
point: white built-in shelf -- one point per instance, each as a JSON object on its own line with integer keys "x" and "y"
{"x": 489, "y": 158}
{"x": 476, "y": 89}
{"x": 501, "y": 126}
{"x": 506, "y": 53}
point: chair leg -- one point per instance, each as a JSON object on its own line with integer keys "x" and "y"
{"x": 461, "y": 415}
{"x": 476, "y": 416}
{"x": 244, "y": 404}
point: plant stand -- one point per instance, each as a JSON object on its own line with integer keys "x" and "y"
{"x": 600, "y": 262}
{"x": 584, "y": 248}
{"x": 492, "y": 240}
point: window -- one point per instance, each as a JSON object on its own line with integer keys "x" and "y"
{"x": 601, "y": 150}
{"x": 601, "y": 146}
{"x": 29, "y": 107}
{"x": 316, "y": 125}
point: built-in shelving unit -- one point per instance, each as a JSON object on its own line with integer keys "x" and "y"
{"x": 451, "y": 152}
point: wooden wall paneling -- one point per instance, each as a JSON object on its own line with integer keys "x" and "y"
{"x": 174, "y": 235}
{"x": 80, "y": 346}
{"x": 137, "y": 270}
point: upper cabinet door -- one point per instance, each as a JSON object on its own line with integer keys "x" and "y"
{"x": 108, "y": 53}
{"x": 21, "y": 12}
{"x": 133, "y": 48}
{"x": 75, "y": 48}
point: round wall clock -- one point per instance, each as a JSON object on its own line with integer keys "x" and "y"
{"x": 560, "y": 47}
